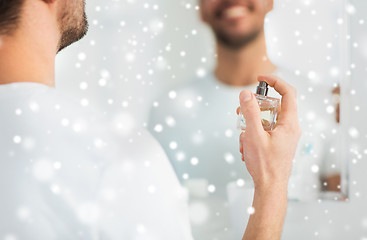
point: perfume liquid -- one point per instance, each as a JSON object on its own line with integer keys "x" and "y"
{"x": 268, "y": 106}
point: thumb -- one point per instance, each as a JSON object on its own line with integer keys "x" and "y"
{"x": 250, "y": 111}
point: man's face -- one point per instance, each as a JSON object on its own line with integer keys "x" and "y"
{"x": 235, "y": 22}
{"x": 72, "y": 22}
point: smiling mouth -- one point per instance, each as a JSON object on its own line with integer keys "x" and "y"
{"x": 233, "y": 12}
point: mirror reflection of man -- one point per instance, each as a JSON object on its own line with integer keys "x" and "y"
{"x": 197, "y": 130}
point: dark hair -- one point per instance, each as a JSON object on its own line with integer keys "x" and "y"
{"x": 9, "y": 15}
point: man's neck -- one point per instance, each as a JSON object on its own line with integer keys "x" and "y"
{"x": 27, "y": 57}
{"x": 240, "y": 67}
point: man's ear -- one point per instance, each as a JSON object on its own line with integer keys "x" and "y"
{"x": 201, "y": 10}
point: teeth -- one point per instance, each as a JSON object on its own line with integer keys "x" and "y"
{"x": 235, "y": 12}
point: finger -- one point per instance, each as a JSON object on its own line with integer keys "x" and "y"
{"x": 242, "y": 138}
{"x": 289, "y": 97}
{"x": 251, "y": 112}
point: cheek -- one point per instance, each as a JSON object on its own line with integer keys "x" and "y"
{"x": 208, "y": 8}
{"x": 257, "y": 17}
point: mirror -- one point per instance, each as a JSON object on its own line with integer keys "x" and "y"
{"x": 163, "y": 62}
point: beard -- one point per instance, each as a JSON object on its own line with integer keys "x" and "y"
{"x": 72, "y": 22}
{"x": 236, "y": 42}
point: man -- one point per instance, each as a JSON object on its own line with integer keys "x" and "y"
{"x": 66, "y": 175}
{"x": 197, "y": 129}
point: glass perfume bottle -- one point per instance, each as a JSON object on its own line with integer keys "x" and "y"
{"x": 268, "y": 107}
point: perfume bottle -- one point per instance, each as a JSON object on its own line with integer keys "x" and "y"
{"x": 268, "y": 107}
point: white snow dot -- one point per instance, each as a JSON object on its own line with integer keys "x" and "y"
{"x": 334, "y": 71}
{"x": 311, "y": 116}
{"x": 98, "y": 143}
{"x": 55, "y": 189}
{"x": 180, "y": 156}
{"x": 172, "y": 94}
{"x": 152, "y": 189}
{"x": 312, "y": 75}
{"x": 77, "y": 127}
{"x": 194, "y": 161}
{"x": 350, "y": 9}
{"x": 18, "y": 111}
{"x": 170, "y": 121}
{"x": 158, "y": 128}
{"x": 229, "y": 158}
{"x": 102, "y": 82}
{"x": 240, "y": 182}
{"x": 57, "y": 165}
{"x": 83, "y": 85}
{"x": 353, "y": 132}
{"x": 156, "y": 26}
{"x": 211, "y": 188}
{"x": 129, "y": 57}
{"x": 82, "y": 56}
{"x": 65, "y": 122}
{"x": 201, "y": 72}
{"x": 315, "y": 168}
{"x": 141, "y": 229}
{"x": 84, "y": 102}
{"x": 34, "y": 106}
{"x": 188, "y": 104}
{"x": 330, "y": 109}
{"x": 229, "y": 133}
{"x": 173, "y": 145}
{"x": 125, "y": 104}
{"x": 250, "y": 210}
{"x": 17, "y": 139}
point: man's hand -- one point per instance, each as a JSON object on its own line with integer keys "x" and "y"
{"x": 268, "y": 157}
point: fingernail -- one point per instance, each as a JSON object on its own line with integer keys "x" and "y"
{"x": 246, "y": 95}
{"x": 243, "y": 158}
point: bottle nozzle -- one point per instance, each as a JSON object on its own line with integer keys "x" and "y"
{"x": 262, "y": 89}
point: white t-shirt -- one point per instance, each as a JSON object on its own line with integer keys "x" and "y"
{"x": 65, "y": 173}
{"x": 196, "y": 125}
